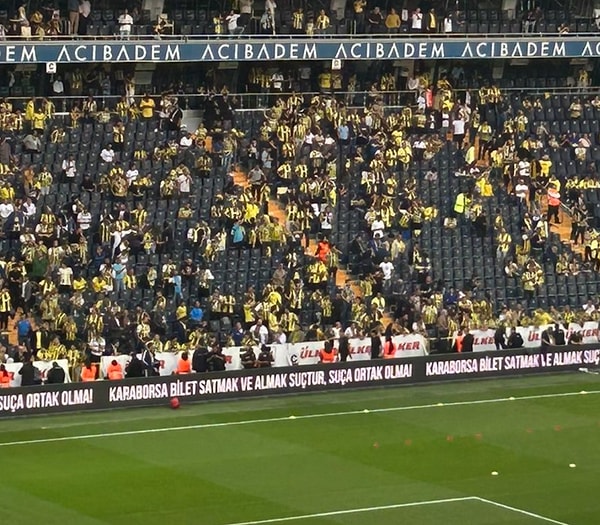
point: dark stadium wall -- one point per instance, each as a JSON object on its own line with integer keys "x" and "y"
{"x": 102, "y": 395}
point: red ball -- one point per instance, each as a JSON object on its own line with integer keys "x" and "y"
{"x": 174, "y": 402}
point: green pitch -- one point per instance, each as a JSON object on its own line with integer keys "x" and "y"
{"x": 371, "y": 457}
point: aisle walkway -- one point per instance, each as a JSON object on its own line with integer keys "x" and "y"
{"x": 277, "y": 211}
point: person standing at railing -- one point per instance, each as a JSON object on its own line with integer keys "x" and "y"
{"x": 431, "y": 25}
{"x": 85, "y": 9}
{"x": 375, "y": 21}
{"x": 298, "y": 21}
{"x": 392, "y": 21}
{"x": 245, "y": 13}
{"x": 359, "y": 16}
{"x": 125, "y": 23}
{"x": 322, "y": 23}
{"x": 448, "y": 23}
{"x": 232, "y": 23}
{"x": 73, "y": 7}
{"x": 270, "y": 6}
{"x": 417, "y": 21}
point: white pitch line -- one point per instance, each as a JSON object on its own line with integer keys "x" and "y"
{"x": 521, "y": 511}
{"x": 355, "y": 511}
{"x": 296, "y": 418}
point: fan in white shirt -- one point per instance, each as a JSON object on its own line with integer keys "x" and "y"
{"x": 29, "y": 208}
{"x": 589, "y": 307}
{"x": 69, "y": 167}
{"x": 417, "y": 20}
{"x": 125, "y": 23}
{"x": 524, "y": 168}
{"x": 186, "y": 141}
{"x": 107, "y": 154}
{"x": 184, "y": 184}
{"x": 351, "y": 331}
{"x": 377, "y": 227}
{"x": 132, "y": 174}
{"x": 448, "y": 24}
{"x": 387, "y": 268}
{"x": 521, "y": 190}
{"x": 84, "y": 220}
{"x": 260, "y": 332}
{"x": 232, "y": 23}
{"x": 458, "y": 126}
{"x": 6, "y": 208}
{"x": 65, "y": 275}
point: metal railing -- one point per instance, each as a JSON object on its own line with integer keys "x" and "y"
{"x": 252, "y": 102}
{"x": 181, "y": 38}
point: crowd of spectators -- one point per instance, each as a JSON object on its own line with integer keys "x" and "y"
{"x": 357, "y": 17}
{"x": 65, "y": 269}
{"x": 96, "y": 273}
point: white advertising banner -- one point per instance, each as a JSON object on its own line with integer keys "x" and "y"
{"x": 532, "y": 335}
{"x": 411, "y": 345}
{"x": 483, "y": 340}
{"x": 291, "y": 354}
{"x": 589, "y": 331}
{"x": 42, "y": 366}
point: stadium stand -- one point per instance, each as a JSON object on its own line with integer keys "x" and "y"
{"x": 169, "y": 238}
{"x": 306, "y": 18}
{"x": 434, "y": 210}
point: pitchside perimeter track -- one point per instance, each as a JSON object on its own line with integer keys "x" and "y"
{"x": 458, "y": 507}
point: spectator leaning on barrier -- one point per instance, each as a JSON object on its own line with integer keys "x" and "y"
{"x": 56, "y": 375}
{"x": 125, "y": 22}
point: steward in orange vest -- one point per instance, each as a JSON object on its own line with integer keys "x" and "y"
{"x": 5, "y": 377}
{"x": 88, "y": 372}
{"x": 184, "y": 366}
{"x": 389, "y": 348}
{"x": 458, "y": 343}
{"x": 553, "y": 204}
{"x": 327, "y": 355}
{"x": 114, "y": 371}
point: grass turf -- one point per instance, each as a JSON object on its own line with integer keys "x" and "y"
{"x": 221, "y": 475}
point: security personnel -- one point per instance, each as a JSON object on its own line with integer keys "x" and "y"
{"x": 327, "y": 354}
{"x": 389, "y": 348}
{"x": 5, "y": 377}
{"x": 553, "y": 203}
{"x": 184, "y": 365}
{"x": 88, "y": 372}
{"x": 114, "y": 372}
